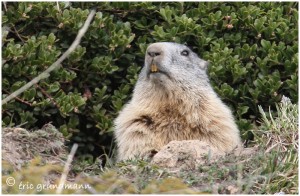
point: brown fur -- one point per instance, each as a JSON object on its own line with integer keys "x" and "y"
{"x": 167, "y": 108}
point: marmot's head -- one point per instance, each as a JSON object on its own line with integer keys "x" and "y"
{"x": 172, "y": 65}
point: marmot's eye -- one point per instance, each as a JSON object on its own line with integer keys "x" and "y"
{"x": 184, "y": 53}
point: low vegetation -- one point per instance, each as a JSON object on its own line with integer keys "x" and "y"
{"x": 269, "y": 167}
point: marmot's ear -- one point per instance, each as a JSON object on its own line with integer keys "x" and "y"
{"x": 203, "y": 65}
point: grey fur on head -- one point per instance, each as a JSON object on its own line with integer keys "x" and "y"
{"x": 179, "y": 70}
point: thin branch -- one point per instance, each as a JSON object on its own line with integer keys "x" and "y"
{"x": 46, "y": 73}
{"x": 47, "y": 95}
{"x": 19, "y": 99}
{"x": 5, "y": 7}
{"x": 82, "y": 71}
{"x": 15, "y": 30}
{"x": 64, "y": 175}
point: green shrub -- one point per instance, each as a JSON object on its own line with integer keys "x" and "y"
{"x": 252, "y": 49}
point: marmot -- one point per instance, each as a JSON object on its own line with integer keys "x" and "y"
{"x": 173, "y": 100}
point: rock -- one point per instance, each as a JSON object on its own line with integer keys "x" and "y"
{"x": 186, "y": 154}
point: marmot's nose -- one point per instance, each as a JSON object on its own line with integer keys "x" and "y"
{"x": 153, "y": 54}
{"x": 154, "y": 50}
